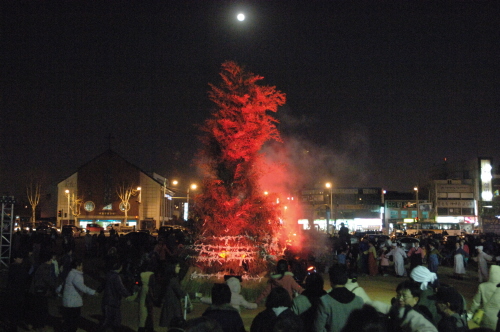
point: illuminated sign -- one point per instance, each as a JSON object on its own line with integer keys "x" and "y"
{"x": 464, "y": 204}
{"x": 485, "y": 173}
{"x": 453, "y": 188}
{"x": 449, "y": 219}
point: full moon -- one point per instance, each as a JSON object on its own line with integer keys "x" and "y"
{"x": 241, "y": 17}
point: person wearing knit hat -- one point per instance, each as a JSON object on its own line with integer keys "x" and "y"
{"x": 428, "y": 282}
{"x": 482, "y": 260}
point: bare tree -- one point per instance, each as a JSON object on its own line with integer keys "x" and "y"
{"x": 75, "y": 205}
{"x": 33, "y": 189}
{"x": 124, "y": 192}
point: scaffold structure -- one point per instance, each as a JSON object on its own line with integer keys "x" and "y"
{"x": 7, "y": 226}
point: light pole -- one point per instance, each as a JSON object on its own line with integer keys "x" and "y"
{"x": 418, "y": 212}
{"x": 186, "y": 209}
{"x": 165, "y": 201}
{"x": 67, "y": 194}
{"x": 139, "y": 191}
{"x": 329, "y": 185}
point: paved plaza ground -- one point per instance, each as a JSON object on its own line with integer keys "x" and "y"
{"x": 379, "y": 288}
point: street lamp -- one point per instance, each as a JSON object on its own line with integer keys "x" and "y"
{"x": 329, "y": 185}
{"x": 186, "y": 208}
{"x": 139, "y": 201}
{"x": 140, "y": 193}
{"x": 67, "y": 194}
{"x": 416, "y": 194}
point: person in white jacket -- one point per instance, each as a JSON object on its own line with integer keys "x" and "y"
{"x": 488, "y": 299}
{"x": 399, "y": 256}
{"x": 482, "y": 260}
{"x": 237, "y": 300}
{"x": 73, "y": 288}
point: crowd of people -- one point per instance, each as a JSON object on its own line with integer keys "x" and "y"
{"x": 151, "y": 276}
{"x": 43, "y": 268}
{"x": 372, "y": 258}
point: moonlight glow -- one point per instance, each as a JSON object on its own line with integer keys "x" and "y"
{"x": 240, "y": 17}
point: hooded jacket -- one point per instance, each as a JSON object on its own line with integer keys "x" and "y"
{"x": 488, "y": 298}
{"x": 334, "y": 309}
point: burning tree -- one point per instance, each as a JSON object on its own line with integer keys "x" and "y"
{"x": 239, "y": 220}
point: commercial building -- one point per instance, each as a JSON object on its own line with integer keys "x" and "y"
{"x": 360, "y": 209}
{"x": 109, "y": 189}
{"x": 462, "y": 196}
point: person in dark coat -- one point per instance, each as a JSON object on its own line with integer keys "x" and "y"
{"x": 222, "y": 311}
{"x": 17, "y": 289}
{"x": 66, "y": 262}
{"x": 278, "y": 305}
{"x": 42, "y": 287}
{"x": 114, "y": 290}
{"x": 171, "y": 304}
{"x": 101, "y": 242}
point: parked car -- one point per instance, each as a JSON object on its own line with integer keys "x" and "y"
{"x": 47, "y": 229}
{"x": 94, "y": 228}
{"x": 120, "y": 228}
{"x": 24, "y": 226}
{"x": 139, "y": 240}
{"x": 379, "y": 239}
{"x": 72, "y": 230}
{"x": 182, "y": 234}
{"x": 407, "y": 242}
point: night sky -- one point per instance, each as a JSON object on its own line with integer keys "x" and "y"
{"x": 377, "y": 91}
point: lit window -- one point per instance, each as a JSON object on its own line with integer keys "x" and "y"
{"x": 108, "y": 207}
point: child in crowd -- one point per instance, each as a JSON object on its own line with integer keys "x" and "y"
{"x": 384, "y": 262}
{"x": 342, "y": 256}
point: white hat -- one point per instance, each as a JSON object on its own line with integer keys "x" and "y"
{"x": 423, "y": 275}
{"x": 479, "y": 247}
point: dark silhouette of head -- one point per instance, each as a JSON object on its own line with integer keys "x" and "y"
{"x": 282, "y": 266}
{"x": 221, "y": 294}
{"x": 314, "y": 284}
{"x": 338, "y": 275}
{"x": 278, "y": 297}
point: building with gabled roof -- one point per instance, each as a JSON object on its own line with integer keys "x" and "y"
{"x": 90, "y": 195}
